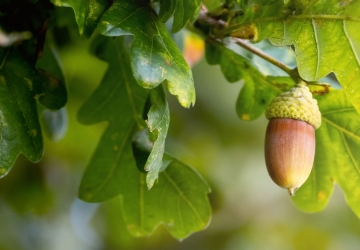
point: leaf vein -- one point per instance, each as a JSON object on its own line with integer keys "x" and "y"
{"x": 350, "y": 42}
{"x": 341, "y": 129}
{"x": 165, "y": 47}
{"x": 115, "y": 163}
{"x": 337, "y": 111}
{"x": 105, "y": 101}
{"x": 350, "y": 154}
{"x": 182, "y": 195}
{"x": 317, "y": 49}
{"x": 129, "y": 16}
{"x": 129, "y": 92}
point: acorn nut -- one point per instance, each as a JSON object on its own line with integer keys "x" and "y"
{"x": 290, "y": 137}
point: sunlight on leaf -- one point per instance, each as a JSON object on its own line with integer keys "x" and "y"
{"x": 158, "y": 123}
{"x": 329, "y": 40}
{"x": 154, "y": 55}
{"x": 337, "y": 156}
{"x": 178, "y": 200}
{"x": 87, "y": 13}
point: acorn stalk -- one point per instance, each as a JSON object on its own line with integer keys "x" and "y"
{"x": 290, "y": 137}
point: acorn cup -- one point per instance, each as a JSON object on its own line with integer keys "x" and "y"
{"x": 290, "y": 137}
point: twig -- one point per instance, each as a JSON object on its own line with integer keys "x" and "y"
{"x": 293, "y": 73}
{"x": 220, "y": 24}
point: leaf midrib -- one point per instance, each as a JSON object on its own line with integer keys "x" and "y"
{"x": 356, "y": 166}
{"x": 116, "y": 161}
{"x": 14, "y": 95}
{"x": 128, "y": 89}
{"x": 182, "y": 195}
{"x": 341, "y": 129}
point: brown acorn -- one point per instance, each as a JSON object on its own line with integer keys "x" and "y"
{"x": 290, "y": 137}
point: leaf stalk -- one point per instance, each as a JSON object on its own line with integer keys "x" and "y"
{"x": 218, "y": 24}
{"x": 293, "y": 73}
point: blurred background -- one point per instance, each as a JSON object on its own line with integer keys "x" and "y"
{"x": 39, "y": 208}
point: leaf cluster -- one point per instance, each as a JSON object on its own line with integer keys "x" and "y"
{"x": 130, "y": 156}
{"x": 324, "y": 40}
{"x": 130, "y": 162}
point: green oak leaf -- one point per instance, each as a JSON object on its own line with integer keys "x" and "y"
{"x": 21, "y": 85}
{"x": 19, "y": 123}
{"x": 258, "y": 90}
{"x": 337, "y": 157}
{"x": 54, "y": 121}
{"x": 154, "y": 55}
{"x": 325, "y": 36}
{"x": 87, "y": 13}
{"x": 158, "y": 124}
{"x": 119, "y": 100}
{"x": 182, "y": 10}
{"x": 53, "y": 94}
{"x": 178, "y": 200}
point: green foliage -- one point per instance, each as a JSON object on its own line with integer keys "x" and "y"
{"x": 154, "y": 55}
{"x": 178, "y": 200}
{"x": 130, "y": 163}
{"x": 182, "y": 10}
{"x": 21, "y": 86}
{"x": 24, "y": 81}
{"x": 118, "y": 100}
{"x": 158, "y": 123}
{"x": 53, "y": 92}
{"x": 18, "y": 108}
{"x": 112, "y": 170}
{"x": 328, "y": 42}
{"x": 338, "y": 139}
{"x": 258, "y": 91}
{"x": 87, "y": 13}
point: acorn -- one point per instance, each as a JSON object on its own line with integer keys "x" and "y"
{"x": 290, "y": 137}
